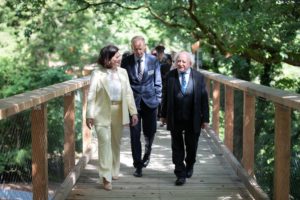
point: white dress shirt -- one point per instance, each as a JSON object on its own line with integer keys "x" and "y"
{"x": 142, "y": 64}
{"x": 186, "y": 75}
{"x": 115, "y": 88}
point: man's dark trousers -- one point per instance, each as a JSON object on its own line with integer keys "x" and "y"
{"x": 147, "y": 119}
{"x": 184, "y": 142}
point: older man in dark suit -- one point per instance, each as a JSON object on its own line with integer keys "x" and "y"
{"x": 144, "y": 74}
{"x": 185, "y": 110}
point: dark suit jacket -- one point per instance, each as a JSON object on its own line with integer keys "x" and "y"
{"x": 200, "y": 113}
{"x": 150, "y": 87}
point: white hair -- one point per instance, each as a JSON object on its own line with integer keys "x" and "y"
{"x": 190, "y": 56}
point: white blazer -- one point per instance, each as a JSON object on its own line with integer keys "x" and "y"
{"x": 99, "y": 103}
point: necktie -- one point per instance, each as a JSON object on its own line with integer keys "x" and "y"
{"x": 140, "y": 72}
{"x": 183, "y": 82}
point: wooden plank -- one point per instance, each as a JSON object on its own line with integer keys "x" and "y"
{"x": 216, "y": 107}
{"x": 229, "y": 117}
{"x": 248, "y": 133}
{"x": 69, "y": 133}
{"x": 39, "y": 152}
{"x": 179, "y": 192}
{"x": 282, "y": 152}
{"x": 62, "y": 192}
{"x": 213, "y": 176}
{"x": 15, "y": 104}
{"x": 282, "y": 97}
{"x": 249, "y": 181}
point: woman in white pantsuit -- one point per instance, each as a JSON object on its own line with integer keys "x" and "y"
{"x": 110, "y": 103}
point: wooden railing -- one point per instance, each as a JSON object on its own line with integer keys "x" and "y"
{"x": 37, "y": 101}
{"x": 283, "y": 101}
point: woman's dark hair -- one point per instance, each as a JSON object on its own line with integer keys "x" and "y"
{"x": 106, "y": 53}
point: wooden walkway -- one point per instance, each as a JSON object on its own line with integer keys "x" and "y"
{"x": 213, "y": 178}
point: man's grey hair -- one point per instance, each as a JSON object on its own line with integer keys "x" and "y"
{"x": 138, "y": 37}
{"x": 190, "y": 56}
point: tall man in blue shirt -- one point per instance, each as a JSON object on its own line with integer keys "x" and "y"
{"x": 144, "y": 74}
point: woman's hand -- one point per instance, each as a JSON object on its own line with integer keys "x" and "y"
{"x": 134, "y": 120}
{"x": 90, "y": 122}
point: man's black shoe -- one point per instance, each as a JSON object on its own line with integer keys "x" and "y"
{"x": 138, "y": 172}
{"x": 189, "y": 173}
{"x": 180, "y": 181}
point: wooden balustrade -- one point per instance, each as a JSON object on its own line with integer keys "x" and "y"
{"x": 37, "y": 101}
{"x": 284, "y": 101}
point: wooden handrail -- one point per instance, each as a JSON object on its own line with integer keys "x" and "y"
{"x": 282, "y": 97}
{"x": 284, "y": 101}
{"x": 17, "y": 103}
{"x": 37, "y": 101}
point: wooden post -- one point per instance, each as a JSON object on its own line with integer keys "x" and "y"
{"x": 282, "y": 152}
{"x": 207, "y": 84}
{"x": 69, "y": 129}
{"x": 229, "y": 117}
{"x": 216, "y": 107}
{"x": 86, "y": 138}
{"x": 248, "y": 133}
{"x": 39, "y": 152}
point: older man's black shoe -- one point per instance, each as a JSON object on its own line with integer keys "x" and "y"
{"x": 138, "y": 172}
{"x": 189, "y": 173}
{"x": 180, "y": 181}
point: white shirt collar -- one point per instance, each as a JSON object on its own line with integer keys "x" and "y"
{"x": 142, "y": 58}
{"x": 188, "y": 71}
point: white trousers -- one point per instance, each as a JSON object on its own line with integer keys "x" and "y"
{"x": 109, "y": 142}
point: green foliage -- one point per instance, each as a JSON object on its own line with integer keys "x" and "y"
{"x": 18, "y": 80}
{"x": 290, "y": 84}
{"x": 21, "y": 156}
{"x": 264, "y": 144}
{"x": 56, "y": 126}
{"x": 52, "y": 76}
{"x": 16, "y": 158}
{"x": 15, "y": 146}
